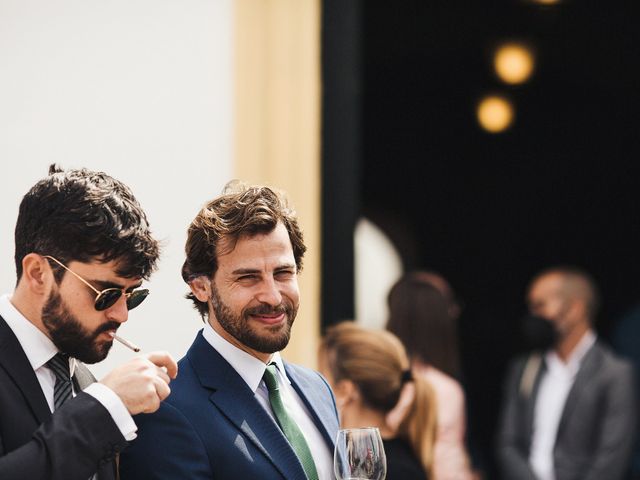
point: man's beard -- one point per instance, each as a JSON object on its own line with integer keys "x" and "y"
{"x": 68, "y": 334}
{"x": 238, "y": 326}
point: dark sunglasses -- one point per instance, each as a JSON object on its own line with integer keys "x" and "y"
{"x": 109, "y": 296}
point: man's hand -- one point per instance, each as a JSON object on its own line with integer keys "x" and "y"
{"x": 143, "y": 382}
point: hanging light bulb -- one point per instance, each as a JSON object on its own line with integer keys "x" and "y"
{"x": 513, "y": 62}
{"x": 495, "y": 113}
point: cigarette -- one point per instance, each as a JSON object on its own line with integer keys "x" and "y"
{"x": 127, "y": 343}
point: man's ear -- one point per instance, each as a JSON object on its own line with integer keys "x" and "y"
{"x": 201, "y": 288}
{"x": 37, "y": 275}
{"x": 345, "y": 392}
{"x": 577, "y": 309}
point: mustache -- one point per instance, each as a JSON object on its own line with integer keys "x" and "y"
{"x": 111, "y": 325}
{"x": 266, "y": 309}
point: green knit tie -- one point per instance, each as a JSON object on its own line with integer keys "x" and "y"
{"x": 288, "y": 425}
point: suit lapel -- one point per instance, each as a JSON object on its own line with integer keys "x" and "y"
{"x": 15, "y": 362}
{"x": 82, "y": 377}
{"x": 231, "y": 395}
{"x": 530, "y": 401}
{"x": 322, "y": 412}
{"x": 528, "y": 396}
{"x": 590, "y": 363}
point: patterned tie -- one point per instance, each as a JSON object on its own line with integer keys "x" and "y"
{"x": 62, "y": 390}
{"x": 288, "y": 425}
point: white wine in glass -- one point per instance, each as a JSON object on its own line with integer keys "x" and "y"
{"x": 359, "y": 455}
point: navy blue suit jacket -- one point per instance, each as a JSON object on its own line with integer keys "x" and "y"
{"x": 212, "y": 426}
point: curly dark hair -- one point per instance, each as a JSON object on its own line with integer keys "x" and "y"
{"x": 81, "y": 215}
{"x": 241, "y": 211}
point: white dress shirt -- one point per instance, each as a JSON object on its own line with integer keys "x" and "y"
{"x": 554, "y": 388}
{"x": 39, "y": 349}
{"x": 251, "y": 371}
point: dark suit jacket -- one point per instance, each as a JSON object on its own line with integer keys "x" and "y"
{"x": 75, "y": 442}
{"x": 212, "y": 427}
{"x": 597, "y": 426}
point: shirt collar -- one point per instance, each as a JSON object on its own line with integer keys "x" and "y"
{"x": 38, "y": 348}
{"x": 577, "y": 355}
{"x": 581, "y": 349}
{"x": 247, "y": 366}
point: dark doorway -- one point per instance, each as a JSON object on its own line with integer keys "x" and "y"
{"x": 490, "y": 210}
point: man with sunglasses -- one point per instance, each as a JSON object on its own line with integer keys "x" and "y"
{"x": 83, "y": 247}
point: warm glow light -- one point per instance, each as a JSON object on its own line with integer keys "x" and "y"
{"x": 495, "y": 113}
{"x": 513, "y": 63}
{"x": 546, "y": 2}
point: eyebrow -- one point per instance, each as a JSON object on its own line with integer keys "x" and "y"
{"x": 286, "y": 266}
{"x": 245, "y": 271}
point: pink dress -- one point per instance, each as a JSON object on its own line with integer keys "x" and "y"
{"x": 450, "y": 457}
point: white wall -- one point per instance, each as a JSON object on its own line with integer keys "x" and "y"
{"x": 141, "y": 89}
{"x": 378, "y": 265}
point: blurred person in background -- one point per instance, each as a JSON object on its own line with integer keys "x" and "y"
{"x": 424, "y": 318}
{"x": 569, "y": 410}
{"x": 626, "y": 342}
{"x": 368, "y": 370}
{"x": 443, "y": 286}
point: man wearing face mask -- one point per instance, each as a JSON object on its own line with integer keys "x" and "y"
{"x": 569, "y": 409}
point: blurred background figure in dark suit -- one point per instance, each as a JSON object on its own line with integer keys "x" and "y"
{"x": 569, "y": 409}
{"x": 626, "y": 342}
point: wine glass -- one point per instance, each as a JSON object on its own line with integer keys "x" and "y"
{"x": 359, "y": 455}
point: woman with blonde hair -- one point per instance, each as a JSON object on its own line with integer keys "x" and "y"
{"x": 368, "y": 371}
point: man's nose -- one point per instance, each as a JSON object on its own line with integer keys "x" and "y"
{"x": 269, "y": 293}
{"x": 118, "y": 312}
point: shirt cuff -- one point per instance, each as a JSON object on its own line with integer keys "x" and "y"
{"x": 116, "y": 409}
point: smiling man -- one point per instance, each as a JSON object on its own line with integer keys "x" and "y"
{"x": 238, "y": 410}
{"x": 83, "y": 247}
